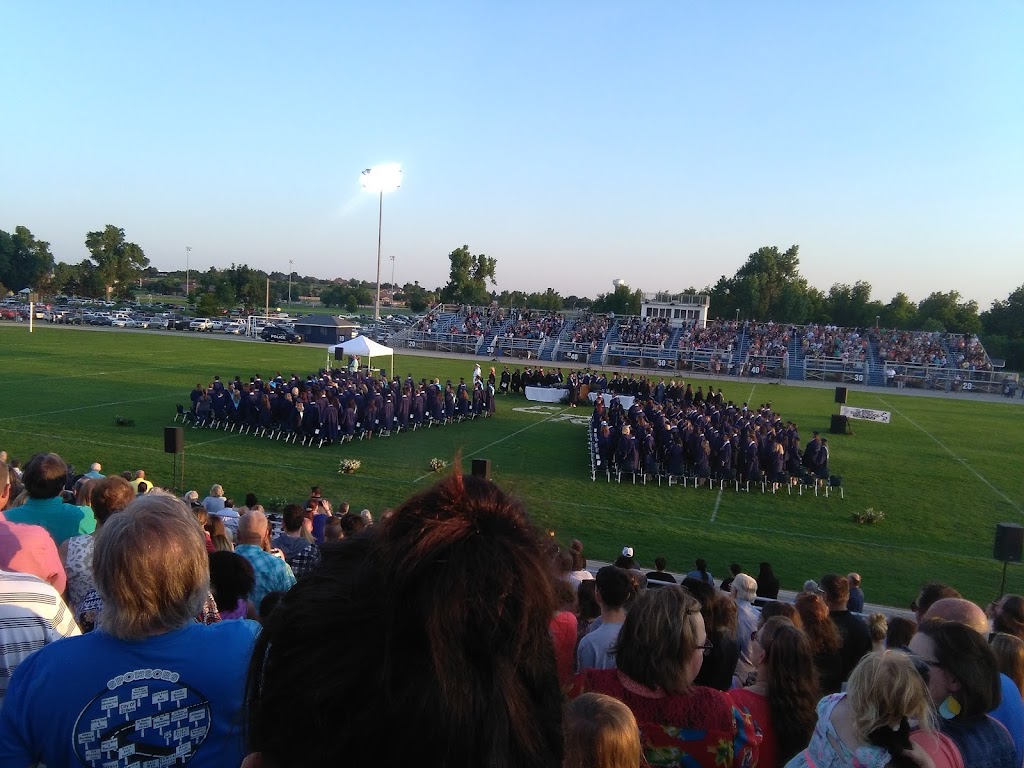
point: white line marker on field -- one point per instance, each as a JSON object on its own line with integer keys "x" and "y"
{"x": 718, "y": 503}
{"x": 942, "y": 445}
{"x": 506, "y": 437}
{"x": 750, "y": 397}
{"x": 84, "y": 408}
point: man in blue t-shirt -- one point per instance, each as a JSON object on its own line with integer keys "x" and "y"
{"x": 150, "y": 685}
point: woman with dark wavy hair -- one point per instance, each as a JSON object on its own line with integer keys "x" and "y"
{"x": 825, "y": 641}
{"x": 783, "y": 699}
{"x": 964, "y": 684}
{"x": 424, "y": 640}
{"x": 660, "y": 649}
{"x": 1008, "y": 615}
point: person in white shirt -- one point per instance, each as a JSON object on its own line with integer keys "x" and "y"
{"x": 32, "y": 614}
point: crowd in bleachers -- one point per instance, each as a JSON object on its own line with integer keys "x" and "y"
{"x": 969, "y": 354}
{"x": 846, "y": 344}
{"x": 478, "y": 321}
{"x": 652, "y": 332}
{"x": 533, "y": 324}
{"x": 427, "y": 323}
{"x": 333, "y": 406}
{"x": 769, "y": 339}
{"x": 719, "y": 335}
{"x": 913, "y": 347}
{"x": 589, "y": 329}
{"x": 486, "y": 640}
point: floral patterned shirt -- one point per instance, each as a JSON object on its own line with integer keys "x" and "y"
{"x": 698, "y": 729}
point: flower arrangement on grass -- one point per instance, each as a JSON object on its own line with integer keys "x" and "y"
{"x": 869, "y": 516}
{"x": 348, "y": 466}
{"x": 436, "y": 465}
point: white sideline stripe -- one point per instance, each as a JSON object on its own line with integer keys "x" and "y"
{"x": 91, "y": 441}
{"x": 750, "y": 397}
{"x": 83, "y": 408}
{"x": 967, "y": 466}
{"x": 506, "y": 437}
{"x": 37, "y": 379}
{"x": 792, "y": 534}
{"x": 215, "y": 440}
{"x": 718, "y": 503}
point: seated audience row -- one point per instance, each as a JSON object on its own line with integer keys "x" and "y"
{"x": 475, "y": 670}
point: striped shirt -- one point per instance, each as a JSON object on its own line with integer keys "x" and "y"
{"x": 32, "y": 614}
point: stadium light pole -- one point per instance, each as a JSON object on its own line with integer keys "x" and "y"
{"x": 290, "y": 263}
{"x": 392, "y": 274}
{"x": 381, "y": 179}
{"x": 188, "y": 252}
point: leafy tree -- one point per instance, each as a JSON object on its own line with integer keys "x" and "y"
{"x": 621, "y": 301}
{"x": 1003, "y": 329}
{"x": 852, "y": 307}
{"x": 768, "y": 286}
{"x": 512, "y": 299}
{"x": 578, "y": 302}
{"x": 550, "y": 300}
{"x": 250, "y": 285}
{"x": 1006, "y": 318}
{"x": 468, "y": 278}
{"x": 24, "y": 261}
{"x": 118, "y": 262}
{"x": 945, "y": 312}
{"x": 901, "y": 312}
{"x": 417, "y": 297}
{"x": 209, "y": 304}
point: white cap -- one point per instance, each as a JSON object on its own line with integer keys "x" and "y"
{"x": 627, "y": 551}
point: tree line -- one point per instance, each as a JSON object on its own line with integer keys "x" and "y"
{"x": 768, "y": 286}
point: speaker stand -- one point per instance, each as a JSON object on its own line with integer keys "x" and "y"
{"x": 1002, "y": 583}
{"x": 178, "y": 472}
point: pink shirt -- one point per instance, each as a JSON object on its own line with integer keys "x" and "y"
{"x": 30, "y": 549}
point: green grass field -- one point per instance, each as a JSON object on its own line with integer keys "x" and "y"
{"x": 945, "y": 471}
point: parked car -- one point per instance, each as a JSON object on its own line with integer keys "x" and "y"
{"x": 276, "y": 333}
{"x": 235, "y": 328}
{"x": 199, "y": 324}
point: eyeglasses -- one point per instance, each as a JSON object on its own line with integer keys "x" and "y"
{"x": 706, "y": 647}
{"x": 930, "y": 663}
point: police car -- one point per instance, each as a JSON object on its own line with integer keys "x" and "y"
{"x": 277, "y": 333}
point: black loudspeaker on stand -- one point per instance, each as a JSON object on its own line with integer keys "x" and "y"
{"x": 841, "y": 394}
{"x": 174, "y": 442}
{"x": 1008, "y": 548}
{"x": 482, "y": 468}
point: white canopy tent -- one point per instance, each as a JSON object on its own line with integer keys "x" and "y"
{"x": 363, "y": 347}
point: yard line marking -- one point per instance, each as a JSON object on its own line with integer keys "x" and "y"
{"x": 503, "y": 439}
{"x": 37, "y": 379}
{"x": 969, "y": 468}
{"x": 750, "y": 397}
{"x": 215, "y": 440}
{"x": 758, "y": 529}
{"x": 91, "y": 441}
{"x": 718, "y": 503}
{"x": 83, "y": 408}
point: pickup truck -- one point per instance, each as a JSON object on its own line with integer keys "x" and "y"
{"x": 200, "y": 324}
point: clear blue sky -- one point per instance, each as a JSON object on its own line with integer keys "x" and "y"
{"x": 576, "y": 142}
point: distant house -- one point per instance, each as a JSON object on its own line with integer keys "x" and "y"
{"x": 325, "y": 329}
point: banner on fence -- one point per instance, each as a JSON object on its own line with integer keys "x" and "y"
{"x": 865, "y": 414}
